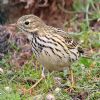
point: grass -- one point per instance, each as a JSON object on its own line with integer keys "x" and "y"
{"x": 86, "y": 70}
{"x": 86, "y": 74}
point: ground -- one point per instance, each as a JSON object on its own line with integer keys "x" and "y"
{"x": 19, "y": 68}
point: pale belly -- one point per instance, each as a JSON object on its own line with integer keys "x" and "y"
{"x": 52, "y": 62}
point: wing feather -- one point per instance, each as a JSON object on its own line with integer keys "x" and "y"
{"x": 69, "y": 40}
{"x": 71, "y": 43}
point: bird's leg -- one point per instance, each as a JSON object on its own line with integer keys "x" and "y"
{"x": 43, "y": 73}
{"x": 72, "y": 78}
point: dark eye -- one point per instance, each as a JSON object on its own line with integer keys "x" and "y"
{"x": 27, "y": 23}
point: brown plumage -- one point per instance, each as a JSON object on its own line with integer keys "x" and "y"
{"x": 54, "y": 48}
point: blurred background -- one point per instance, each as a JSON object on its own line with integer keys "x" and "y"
{"x": 73, "y": 14}
{"x": 18, "y": 67}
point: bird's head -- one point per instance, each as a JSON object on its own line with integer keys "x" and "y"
{"x": 30, "y": 24}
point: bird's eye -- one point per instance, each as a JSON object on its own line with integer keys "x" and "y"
{"x": 27, "y": 23}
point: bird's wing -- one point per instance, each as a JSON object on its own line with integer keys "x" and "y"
{"x": 71, "y": 43}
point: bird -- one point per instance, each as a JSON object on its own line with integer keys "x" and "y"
{"x": 54, "y": 48}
